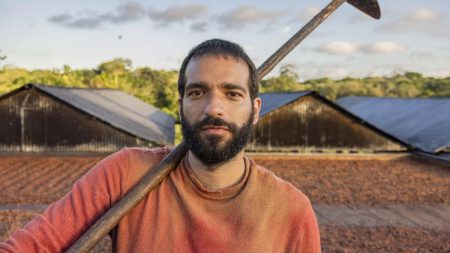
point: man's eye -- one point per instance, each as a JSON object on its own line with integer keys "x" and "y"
{"x": 234, "y": 94}
{"x": 196, "y": 93}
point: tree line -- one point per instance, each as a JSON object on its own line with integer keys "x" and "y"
{"x": 407, "y": 85}
{"x": 159, "y": 87}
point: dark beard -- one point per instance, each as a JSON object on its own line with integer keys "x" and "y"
{"x": 210, "y": 150}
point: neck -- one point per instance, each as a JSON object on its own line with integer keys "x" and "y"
{"x": 221, "y": 175}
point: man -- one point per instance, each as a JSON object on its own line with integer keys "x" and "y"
{"x": 216, "y": 200}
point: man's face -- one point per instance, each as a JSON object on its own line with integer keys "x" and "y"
{"x": 216, "y": 110}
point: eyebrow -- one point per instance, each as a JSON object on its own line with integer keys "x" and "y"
{"x": 232, "y": 86}
{"x": 196, "y": 85}
{"x": 227, "y": 86}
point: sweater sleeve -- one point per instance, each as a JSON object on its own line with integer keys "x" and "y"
{"x": 308, "y": 237}
{"x": 63, "y": 222}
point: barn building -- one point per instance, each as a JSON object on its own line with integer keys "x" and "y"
{"x": 422, "y": 123}
{"x": 307, "y": 122}
{"x": 40, "y": 118}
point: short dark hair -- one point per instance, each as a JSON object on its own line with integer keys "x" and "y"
{"x": 220, "y": 47}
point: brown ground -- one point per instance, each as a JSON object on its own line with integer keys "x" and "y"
{"x": 384, "y": 239}
{"x": 40, "y": 179}
{"x": 364, "y": 180}
{"x": 350, "y": 181}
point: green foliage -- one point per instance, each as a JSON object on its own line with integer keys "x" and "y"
{"x": 286, "y": 81}
{"x": 408, "y": 85}
{"x": 159, "y": 87}
{"x": 178, "y": 134}
{"x": 156, "y": 87}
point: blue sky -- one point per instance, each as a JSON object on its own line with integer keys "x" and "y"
{"x": 412, "y": 35}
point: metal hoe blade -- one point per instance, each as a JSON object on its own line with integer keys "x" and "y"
{"x": 370, "y": 7}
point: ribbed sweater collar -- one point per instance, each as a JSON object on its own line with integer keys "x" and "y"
{"x": 216, "y": 194}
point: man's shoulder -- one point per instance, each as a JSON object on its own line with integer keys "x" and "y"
{"x": 279, "y": 188}
{"x": 130, "y": 164}
{"x": 132, "y": 156}
{"x": 138, "y": 157}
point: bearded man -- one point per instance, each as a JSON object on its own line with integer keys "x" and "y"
{"x": 216, "y": 200}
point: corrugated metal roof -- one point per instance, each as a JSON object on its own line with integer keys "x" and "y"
{"x": 119, "y": 109}
{"x": 443, "y": 157}
{"x": 272, "y": 101}
{"x": 423, "y": 123}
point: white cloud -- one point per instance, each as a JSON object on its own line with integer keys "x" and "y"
{"x": 130, "y": 11}
{"x": 339, "y": 48}
{"x": 422, "y": 20}
{"x": 178, "y": 13}
{"x": 339, "y": 69}
{"x": 68, "y": 20}
{"x": 384, "y": 47}
{"x": 423, "y": 15}
{"x": 89, "y": 19}
{"x": 313, "y": 70}
{"x": 349, "y": 48}
{"x": 245, "y": 15}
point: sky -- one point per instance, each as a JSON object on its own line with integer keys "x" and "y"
{"x": 412, "y": 35}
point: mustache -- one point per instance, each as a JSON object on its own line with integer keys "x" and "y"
{"x": 216, "y": 122}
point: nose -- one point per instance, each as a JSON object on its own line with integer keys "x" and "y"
{"x": 214, "y": 106}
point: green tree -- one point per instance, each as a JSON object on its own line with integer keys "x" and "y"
{"x": 407, "y": 90}
{"x": 117, "y": 65}
{"x": 113, "y": 74}
{"x": 159, "y": 87}
{"x": 286, "y": 81}
{"x": 437, "y": 87}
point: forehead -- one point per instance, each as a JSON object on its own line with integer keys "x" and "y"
{"x": 217, "y": 69}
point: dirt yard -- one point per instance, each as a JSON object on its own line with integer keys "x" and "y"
{"x": 363, "y": 180}
{"x": 40, "y": 179}
{"x": 336, "y": 181}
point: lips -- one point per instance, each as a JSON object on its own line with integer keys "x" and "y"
{"x": 215, "y": 129}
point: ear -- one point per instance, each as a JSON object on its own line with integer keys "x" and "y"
{"x": 256, "y": 109}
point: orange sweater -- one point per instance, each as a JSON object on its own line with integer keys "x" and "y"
{"x": 261, "y": 213}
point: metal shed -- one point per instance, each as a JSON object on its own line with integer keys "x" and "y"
{"x": 307, "y": 122}
{"x": 423, "y": 123}
{"x": 40, "y": 118}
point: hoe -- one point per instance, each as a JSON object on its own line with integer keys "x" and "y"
{"x": 160, "y": 171}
